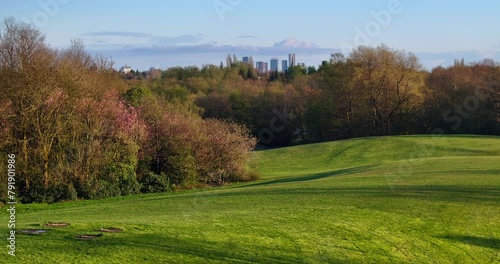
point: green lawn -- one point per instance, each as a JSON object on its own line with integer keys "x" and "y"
{"x": 408, "y": 199}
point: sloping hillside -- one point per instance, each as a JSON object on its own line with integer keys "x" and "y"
{"x": 381, "y": 200}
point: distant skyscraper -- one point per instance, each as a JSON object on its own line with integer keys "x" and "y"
{"x": 274, "y": 64}
{"x": 261, "y": 66}
{"x": 246, "y": 59}
{"x": 284, "y": 65}
{"x": 291, "y": 59}
{"x": 258, "y": 65}
{"x": 266, "y": 67}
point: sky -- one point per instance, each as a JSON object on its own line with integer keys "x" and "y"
{"x": 168, "y": 33}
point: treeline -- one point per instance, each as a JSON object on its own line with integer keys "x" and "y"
{"x": 372, "y": 92}
{"x": 79, "y": 131}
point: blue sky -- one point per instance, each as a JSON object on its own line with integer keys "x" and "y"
{"x": 195, "y": 32}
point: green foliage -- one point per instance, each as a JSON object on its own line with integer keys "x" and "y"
{"x": 321, "y": 119}
{"x": 180, "y": 73}
{"x": 71, "y": 193}
{"x": 3, "y": 177}
{"x": 57, "y": 193}
{"x": 135, "y": 96}
{"x": 311, "y": 70}
{"x": 123, "y": 177}
{"x": 295, "y": 71}
{"x": 106, "y": 189}
{"x": 176, "y": 93}
{"x": 179, "y": 166}
{"x": 240, "y": 108}
{"x": 154, "y": 183}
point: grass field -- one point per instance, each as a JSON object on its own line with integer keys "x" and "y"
{"x": 408, "y": 199}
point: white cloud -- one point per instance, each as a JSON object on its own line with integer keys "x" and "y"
{"x": 294, "y": 43}
{"x": 140, "y": 38}
{"x": 139, "y": 44}
{"x": 247, "y": 37}
{"x": 118, "y": 34}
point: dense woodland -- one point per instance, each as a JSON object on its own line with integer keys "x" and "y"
{"x": 81, "y": 130}
{"x": 372, "y": 92}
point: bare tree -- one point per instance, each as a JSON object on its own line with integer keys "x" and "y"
{"x": 389, "y": 81}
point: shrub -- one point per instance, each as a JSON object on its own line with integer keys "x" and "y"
{"x": 223, "y": 152}
{"x": 190, "y": 150}
{"x": 135, "y": 96}
{"x": 154, "y": 183}
{"x": 120, "y": 179}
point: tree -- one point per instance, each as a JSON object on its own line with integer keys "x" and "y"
{"x": 78, "y": 132}
{"x": 337, "y": 58}
{"x": 54, "y": 126}
{"x": 461, "y": 99}
{"x": 311, "y": 70}
{"x": 389, "y": 82}
{"x": 235, "y": 59}
{"x": 295, "y": 71}
{"x": 336, "y": 82}
{"x": 229, "y": 61}
{"x": 28, "y": 85}
{"x": 20, "y": 44}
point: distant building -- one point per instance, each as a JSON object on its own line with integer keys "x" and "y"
{"x": 153, "y": 73}
{"x": 284, "y": 65}
{"x": 258, "y": 65}
{"x": 291, "y": 59}
{"x": 261, "y": 66}
{"x": 125, "y": 69}
{"x": 303, "y": 65}
{"x": 274, "y": 64}
{"x": 247, "y": 60}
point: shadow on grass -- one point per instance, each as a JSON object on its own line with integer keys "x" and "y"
{"x": 447, "y": 193}
{"x": 338, "y": 152}
{"x": 152, "y": 248}
{"x": 310, "y": 177}
{"x": 467, "y": 151}
{"x": 493, "y": 243}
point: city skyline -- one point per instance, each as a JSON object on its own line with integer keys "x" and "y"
{"x": 261, "y": 66}
{"x": 272, "y": 65}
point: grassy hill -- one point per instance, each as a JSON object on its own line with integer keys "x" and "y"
{"x": 381, "y": 200}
